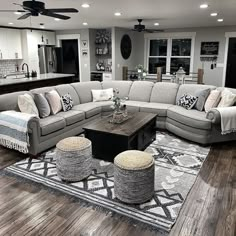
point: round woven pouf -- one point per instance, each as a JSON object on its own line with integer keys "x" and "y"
{"x": 73, "y": 158}
{"x": 134, "y": 176}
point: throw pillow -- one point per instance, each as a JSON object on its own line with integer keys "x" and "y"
{"x": 201, "y": 99}
{"x": 102, "y": 95}
{"x": 212, "y": 100}
{"x": 42, "y": 105}
{"x": 27, "y": 105}
{"x": 227, "y": 98}
{"x": 54, "y": 101}
{"x": 187, "y": 101}
{"x": 67, "y": 102}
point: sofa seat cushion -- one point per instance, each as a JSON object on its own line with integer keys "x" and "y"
{"x": 158, "y": 108}
{"x": 51, "y": 124}
{"x": 105, "y": 105}
{"x": 192, "y": 118}
{"x": 134, "y": 106}
{"x": 90, "y": 109}
{"x": 72, "y": 116}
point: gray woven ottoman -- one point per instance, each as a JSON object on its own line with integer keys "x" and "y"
{"x": 73, "y": 158}
{"x": 134, "y": 176}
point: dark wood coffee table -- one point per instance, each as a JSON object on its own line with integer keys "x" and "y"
{"x": 109, "y": 139}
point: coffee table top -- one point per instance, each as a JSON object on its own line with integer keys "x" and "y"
{"x": 127, "y": 128}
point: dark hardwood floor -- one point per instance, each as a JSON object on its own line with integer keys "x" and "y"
{"x": 210, "y": 208}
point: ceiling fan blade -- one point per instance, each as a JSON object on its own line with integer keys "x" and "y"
{"x": 63, "y": 10}
{"x": 12, "y": 11}
{"x": 51, "y": 14}
{"x": 24, "y": 7}
{"x": 24, "y": 16}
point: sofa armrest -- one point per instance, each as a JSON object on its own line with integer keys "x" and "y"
{"x": 214, "y": 116}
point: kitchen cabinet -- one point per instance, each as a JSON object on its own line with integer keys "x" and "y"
{"x": 14, "y": 42}
{"x": 10, "y": 44}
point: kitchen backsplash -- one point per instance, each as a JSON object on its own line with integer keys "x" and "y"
{"x": 9, "y": 66}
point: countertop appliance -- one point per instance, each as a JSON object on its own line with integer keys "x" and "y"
{"x": 50, "y": 59}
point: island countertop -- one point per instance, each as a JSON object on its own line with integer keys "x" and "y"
{"x": 40, "y": 77}
{"x": 10, "y": 85}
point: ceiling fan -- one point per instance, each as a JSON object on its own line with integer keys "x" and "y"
{"x": 141, "y": 28}
{"x": 36, "y": 8}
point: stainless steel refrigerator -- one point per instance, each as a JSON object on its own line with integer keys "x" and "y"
{"x": 50, "y": 59}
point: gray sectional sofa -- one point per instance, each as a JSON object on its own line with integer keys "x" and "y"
{"x": 143, "y": 96}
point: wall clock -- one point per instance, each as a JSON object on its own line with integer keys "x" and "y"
{"x": 126, "y": 46}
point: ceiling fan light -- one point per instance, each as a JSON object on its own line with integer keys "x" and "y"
{"x": 220, "y": 20}
{"x": 10, "y": 23}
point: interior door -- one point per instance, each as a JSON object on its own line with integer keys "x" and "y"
{"x": 231, "y": 64}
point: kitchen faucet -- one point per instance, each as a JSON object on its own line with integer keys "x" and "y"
{"x": 27, "y": 75}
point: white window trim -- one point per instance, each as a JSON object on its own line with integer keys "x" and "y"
{"x": 169, "y": 36}
{"x": 228, "y": 35}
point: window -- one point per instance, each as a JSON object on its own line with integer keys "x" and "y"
{"x": 170, "y": 53}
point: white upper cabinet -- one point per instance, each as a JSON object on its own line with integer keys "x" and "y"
{"x": 10, "y": 44}
{"x": 14, "y": 42}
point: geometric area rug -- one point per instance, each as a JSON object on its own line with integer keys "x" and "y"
{"x": 177, "y": 164}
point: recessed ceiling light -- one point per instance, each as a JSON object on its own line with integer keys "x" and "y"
{"x": 57, "y": 19}
{"x": 214, "y": 14}
{"x": 220, "y": 20}
{"x": 85, "y": 23}
{"x": 203, "y": 6}
{"x": 10, "y": 23}
{"x": 17, "y": 13}
{"x": 85, "y": 5}
{"x": 156, "y": 24}
{"x": 117, "y": 14}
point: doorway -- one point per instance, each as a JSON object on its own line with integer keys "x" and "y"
{"x": 230, "y": 80}
{"x": 70, "y": 57}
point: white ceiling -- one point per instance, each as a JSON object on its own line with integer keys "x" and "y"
{"x": 169, "y": 13}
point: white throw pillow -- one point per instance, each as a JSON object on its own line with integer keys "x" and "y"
{"x": 27, "y": 105}
{"x": 102, "y": 95}
{"x": 227, "y": 98}
{"x": 54, "y": 101}
{"x": 212, "y": 100}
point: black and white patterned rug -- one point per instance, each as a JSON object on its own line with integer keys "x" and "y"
{"x": 177, "y": 163}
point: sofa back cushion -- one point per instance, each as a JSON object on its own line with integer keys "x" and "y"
{"x": 9, "y": 101}
{"x": 83, "y": 90}
{"x": 63, "y": 89}
{"x": 164, "y": 92}
{"x": 141, "y": 91}
{"x": 192, "y": 89}
{"x": 122, "y": 86}
{"x": 42, "y": 90}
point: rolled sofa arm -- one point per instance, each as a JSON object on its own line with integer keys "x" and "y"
{"x": 34, "y": 135}
{"x": 214, "y": 116}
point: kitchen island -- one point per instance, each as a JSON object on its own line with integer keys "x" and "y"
{"x": 8, "y": 85}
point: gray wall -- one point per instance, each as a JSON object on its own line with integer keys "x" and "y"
{"x": 137, "y": 53}
{"x": 215, "y": 76}
{"x": 84, "y": 60}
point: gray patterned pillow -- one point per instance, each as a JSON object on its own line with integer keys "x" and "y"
{"x": 187, "y": 101}
{"x": 67, "y": 102}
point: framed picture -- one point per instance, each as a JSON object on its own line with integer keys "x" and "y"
{"x": 84, "y": 52}
{"x": 209, "y": 48}
{"x": 84, "y": 43}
